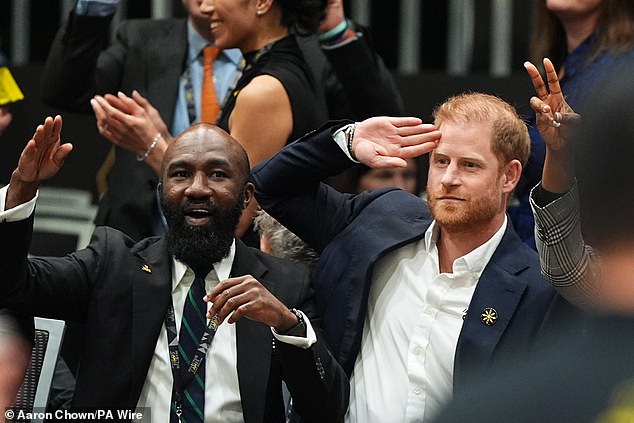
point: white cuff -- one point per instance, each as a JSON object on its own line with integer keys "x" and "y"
{"x": 299, "y": 341}
{"x": 20, "y": 212}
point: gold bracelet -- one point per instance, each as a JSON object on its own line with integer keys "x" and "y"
{"x": 149, "y": 149}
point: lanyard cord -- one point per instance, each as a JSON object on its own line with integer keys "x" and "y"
{"x": 189, "y": 90}
{"x": 181, "y": 381}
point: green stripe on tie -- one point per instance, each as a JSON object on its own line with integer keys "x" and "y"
{"x": 199, "y": 312}
{"x": 194, "y": 405}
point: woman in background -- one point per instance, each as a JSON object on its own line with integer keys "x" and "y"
{"x": 584, "y": 39}
{"x": 276, "y": 99}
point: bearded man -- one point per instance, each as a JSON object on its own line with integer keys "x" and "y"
{"x": 134, "y": 297}
{"x": 415, "y": 296}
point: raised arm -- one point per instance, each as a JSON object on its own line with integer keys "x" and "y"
{"x": 74, "y": 70}
{"x": 568, "y": 264}
{"x": 288, "y": 185}
{"x": 555, "y": 121}
{"x": 41, "y": 159}
{"x": 357, "y": 83}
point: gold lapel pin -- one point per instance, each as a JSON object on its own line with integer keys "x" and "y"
{"x": 489, "y": 316}
{"x": 146, "y": 268}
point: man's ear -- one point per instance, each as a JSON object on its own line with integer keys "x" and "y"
{"x": 512, "y": 173}
{"x": 249, "y": 189}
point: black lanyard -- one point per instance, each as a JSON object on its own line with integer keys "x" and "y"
{"x": 189, "y": 90}
{"x": 181, "y": 381}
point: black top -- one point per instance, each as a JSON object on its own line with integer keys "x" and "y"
{"x": 284, "y": 61}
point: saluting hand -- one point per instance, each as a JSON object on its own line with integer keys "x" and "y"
{"x": 387, "y": 141}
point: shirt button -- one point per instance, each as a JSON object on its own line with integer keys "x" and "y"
{"x": 417, "y": 390}
{"x": 417, "y": 350}
{"x": 430, "y": 311}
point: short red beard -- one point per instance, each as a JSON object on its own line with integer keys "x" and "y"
{"x": 473, "y": 212}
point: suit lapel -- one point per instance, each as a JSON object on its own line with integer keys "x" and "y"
{"x": 151, "y": 294}
{"x": 499, "y": 292}
{"x": 253, "y": 343}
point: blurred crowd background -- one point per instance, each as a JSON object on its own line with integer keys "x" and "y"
{"x": 434, "y": 49}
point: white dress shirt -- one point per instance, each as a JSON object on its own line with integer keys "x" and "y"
{"x": 404, "y": 370}
{"x": 222, "y": 401}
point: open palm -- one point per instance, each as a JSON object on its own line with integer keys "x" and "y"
{"x": 44, "y": 154}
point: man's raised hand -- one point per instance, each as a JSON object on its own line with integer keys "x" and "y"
{"x": 42, "y": 157}
{"x": 387, "y": 141}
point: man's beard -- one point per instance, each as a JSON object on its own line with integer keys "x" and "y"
{"x": 464, "y": 217}
{"x": 201, "y": 246}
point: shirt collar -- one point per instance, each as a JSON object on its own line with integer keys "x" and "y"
{"x": 196, "y": 43}
{"x": 223, "y": 268}
{"x": 474, "y": 261}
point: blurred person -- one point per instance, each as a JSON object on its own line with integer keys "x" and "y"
{"x": 5, "y": 118}
{"x": 276, "y": 99}
{"x": 160, "y": 58}
{"x": 403, "y": 178}
{"x": 415, "y": 296}
{"x": 81, "y": 64}
{"x": 364, "y": 178}
{"x": 10, "y": 93}
{"x": 15, "y": 353}
{"x": 277, "y": 240}
{"x": 585, "y": 374}
{"x": 351, "y": 73}
{"x": 599, "y": 205}
{"x": 108, "y": 285}
{"x": 584, "y": 39}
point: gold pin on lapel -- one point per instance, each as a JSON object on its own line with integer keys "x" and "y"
{"x": 146, "y": 268}
{"x": 489, "y": 316}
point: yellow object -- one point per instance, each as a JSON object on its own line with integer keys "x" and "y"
{"x": 9, "y": 90}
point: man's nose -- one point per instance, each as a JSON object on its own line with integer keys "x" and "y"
{"x": 199, "y": 185}
{"x": 451, "y": 175}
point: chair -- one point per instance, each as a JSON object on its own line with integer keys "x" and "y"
{"x": 63, "y": 221}
{"x": 34, "y": 392}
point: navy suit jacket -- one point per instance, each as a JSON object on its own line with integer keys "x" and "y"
{"x": 354, "y": 232}
{"x": 123, "y": 307}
